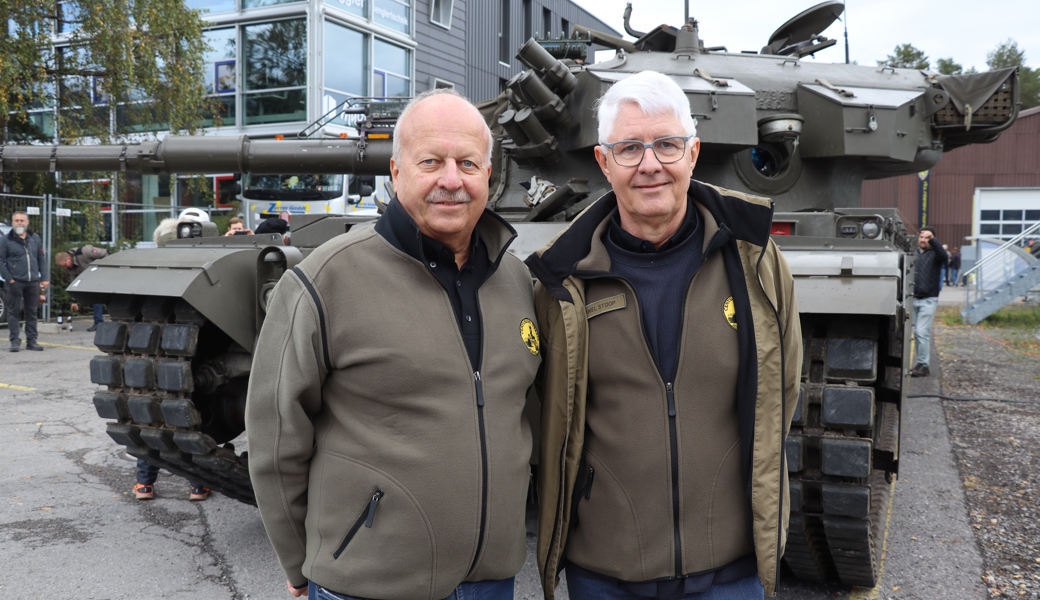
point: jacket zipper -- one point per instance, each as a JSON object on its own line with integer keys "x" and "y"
{"x": 674, "y": 443}
{"x": 366, "y": 518}
{"x": 483, "y": 468}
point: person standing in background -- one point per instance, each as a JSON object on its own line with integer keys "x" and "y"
{"x": 26, "y": 273}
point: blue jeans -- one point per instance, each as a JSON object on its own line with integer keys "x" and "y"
{"x": 477, "y": 590}
{"x": 147, "y": 473}
{"x": 583, "y": 587}
{"x": 99, "y": 313}
{"x": 924, "y": 313}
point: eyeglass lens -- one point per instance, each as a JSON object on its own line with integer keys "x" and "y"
{"x": 629, "y": 153}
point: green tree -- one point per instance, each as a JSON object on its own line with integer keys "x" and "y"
{"x": 947, "y": 66}
{"x": 1007, "y": 54}
{"x": 906, "y": 56}
{"x": 114, "y": 67}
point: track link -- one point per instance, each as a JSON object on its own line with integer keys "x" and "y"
{"x": 151, "y": 349}
{"x": 839, "y": 502}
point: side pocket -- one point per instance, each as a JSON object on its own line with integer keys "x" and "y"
{"x": 582, "y": 492}
{"x": 366, "y": 518}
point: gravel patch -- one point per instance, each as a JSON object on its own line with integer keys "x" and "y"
{"x": 996, "y": 441}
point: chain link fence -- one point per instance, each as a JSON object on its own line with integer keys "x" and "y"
{"x": 64, "y": 223}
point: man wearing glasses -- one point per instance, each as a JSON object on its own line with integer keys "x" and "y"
{"x": 673, "y": 357}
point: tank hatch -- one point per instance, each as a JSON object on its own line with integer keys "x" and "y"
{"x": 800, "y": 36}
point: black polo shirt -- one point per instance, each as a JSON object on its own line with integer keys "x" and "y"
{"x": 397, "y": 226}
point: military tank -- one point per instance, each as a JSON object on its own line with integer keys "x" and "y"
{"x": 185, "y": 317}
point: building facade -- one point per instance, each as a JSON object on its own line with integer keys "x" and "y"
{"x": 277, "y": 66}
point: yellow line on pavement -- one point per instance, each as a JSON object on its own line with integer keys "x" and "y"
{"x": 67, "y": 346}
{"x": 20, "y": 388}
{"x": 872, "y": 593}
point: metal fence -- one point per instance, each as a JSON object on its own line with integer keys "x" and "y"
{"x": 64, "y": 223}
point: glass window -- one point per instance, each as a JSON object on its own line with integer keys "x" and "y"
{"x": 440, "y": 12}
{"x": 1012, "y": 215}
{"x": 504, "y": 47}
{"x": 391, "y": 58}
{"x": 211, "y": 5}
{"x": 345, "y": 59}
{"x": 390, "y": 76}
{"x": 393, "y": 14}
{"x": 1012, "y": 229}
{"x": 989, "y": 229}
{"x": 357, "y": 7}
{"x": 276, "y": 107}
{"x": 1033, "y": 215}
{"x": 275, "y": 55}
{"x": 220, "y": 61}
{"x": 256, "y": 3}
{"x": 989, "y": 215}
{"x": 69, "y": 21}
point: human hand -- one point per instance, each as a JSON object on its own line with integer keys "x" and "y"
{"x": 74, "y": 307}
{"x": 296, "y": 592}
{"x": 44, "y": 285}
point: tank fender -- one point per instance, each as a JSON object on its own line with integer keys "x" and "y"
{"x": 219, "y": 282}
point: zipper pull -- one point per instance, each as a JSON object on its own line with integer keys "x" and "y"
{"x": 671, "y": 399}
{"x": 480, "y": 388}
{"x": 588, "y": 484}
{"x": 376, "y": 497}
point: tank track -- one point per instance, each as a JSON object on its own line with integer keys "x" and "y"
{"x": 847, "y": 419}
{"x": 153, "y": 347}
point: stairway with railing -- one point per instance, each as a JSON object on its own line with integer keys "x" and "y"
{"x": 1001, "y": 276}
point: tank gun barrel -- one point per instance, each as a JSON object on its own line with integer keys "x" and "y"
{"x": 208, "y": 154}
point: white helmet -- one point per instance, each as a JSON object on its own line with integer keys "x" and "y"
{"x": 194, "y": 214}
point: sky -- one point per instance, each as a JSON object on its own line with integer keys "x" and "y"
{"x": 965, "y": 30}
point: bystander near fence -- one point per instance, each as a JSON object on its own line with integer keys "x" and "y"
{"x": 64, "y": 223}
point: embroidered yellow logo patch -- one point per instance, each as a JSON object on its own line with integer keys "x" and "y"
{"x": 730, "y": 310}
{"x": 529, "y": 334}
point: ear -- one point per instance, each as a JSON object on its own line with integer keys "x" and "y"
{"x": 601, "y": 158}
{"x": 695, "y": 151}
{"x": 394, "y": 170}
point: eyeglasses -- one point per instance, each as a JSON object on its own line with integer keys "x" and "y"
{"x": 629, "y": 153}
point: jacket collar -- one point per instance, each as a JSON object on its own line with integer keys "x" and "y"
{"x": 398, "y": 227}
{"x": 733, "y": 215}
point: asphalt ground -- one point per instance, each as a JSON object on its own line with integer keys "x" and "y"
{"x": 70, "y": 527}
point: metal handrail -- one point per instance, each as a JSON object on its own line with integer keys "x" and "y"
{"x": 998, "y": 264}
{"x": 1003, "y": 248}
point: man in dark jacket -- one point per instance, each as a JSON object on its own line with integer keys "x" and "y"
{"x": 387, "y": 445}
{"x": 75, "y": 261}
{"x": 673, "y": 355}
{"x": 931, "y": 257}
{"x": 25, "y": 272}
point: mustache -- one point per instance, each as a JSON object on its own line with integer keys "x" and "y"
{"x": 441, "y": 195}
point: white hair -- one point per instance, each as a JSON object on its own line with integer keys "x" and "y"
{"x": 437, "y": 92}
{"x": 654, "y": 93}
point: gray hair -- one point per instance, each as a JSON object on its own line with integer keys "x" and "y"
{"x": 654, "y": 93}
{"x": 427, "y": 94}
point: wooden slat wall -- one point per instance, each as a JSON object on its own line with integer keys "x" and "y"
{"x": 1011, "y": 161}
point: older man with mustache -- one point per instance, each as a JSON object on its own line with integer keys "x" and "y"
{"x": 387, "y": 446}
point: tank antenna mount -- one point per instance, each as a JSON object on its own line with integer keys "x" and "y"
{"x": 628, "y": 26}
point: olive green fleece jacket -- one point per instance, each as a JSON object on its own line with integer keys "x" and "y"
{"x": 769, "y": 369}
{"x": 384, "y": 466}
